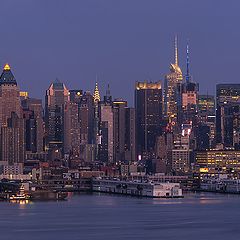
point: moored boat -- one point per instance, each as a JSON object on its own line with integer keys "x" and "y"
{"x": 21, "y": 195}
{"x": 138, "y": 188}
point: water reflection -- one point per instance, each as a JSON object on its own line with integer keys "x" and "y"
{"x": 22, "y": 203}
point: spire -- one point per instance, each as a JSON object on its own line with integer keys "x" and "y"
{"x": 108, "y": 91}
{"x": 96, "y": 95}
{"x": 188, "y": 77}
{"x": 176, "y": 50}
{"x": 188, "y": 71}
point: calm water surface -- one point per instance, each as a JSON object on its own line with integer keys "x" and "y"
{"x": 103, "y": 217}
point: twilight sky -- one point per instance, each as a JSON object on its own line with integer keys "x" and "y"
{"x": 122, "y": 41}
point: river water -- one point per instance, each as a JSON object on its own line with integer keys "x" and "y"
{"x": 100, "y": 216}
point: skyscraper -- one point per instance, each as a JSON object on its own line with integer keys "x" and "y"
{"x": 33, "y": 115}
{"x": 57, "y": 96}
{"x": 96, "y": 134}
{"x": 148, "y": 105}
{"x": 172, "y": 91}
{"x": 207, "y": 117}
{"x": 9, "y": 96}
{"x": 228, "y": 114}
{"x": 189, "y": 91}
{"x": 130, "y": 135}
{"x": 72, "y": 138}
{"x": 119, "y": 125}
{"x": 206, "y": 107}
{"x": 106, "y": 128}
{"x": 86, "y": 118}
{"x": 11, "y": 123}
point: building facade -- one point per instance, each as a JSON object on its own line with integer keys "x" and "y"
{"x": 149, "y": 112}
{"x": 57, "y": 96}
{"x": 228, "y": 115}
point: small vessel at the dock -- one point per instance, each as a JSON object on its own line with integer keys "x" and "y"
{"x": 21, "y": 195}
{"x": 138, "y": 188}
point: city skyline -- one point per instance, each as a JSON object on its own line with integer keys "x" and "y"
{"x": 119, "y": 118}
{"x": 186, "y": 76}
{"x": 91, "y": 49}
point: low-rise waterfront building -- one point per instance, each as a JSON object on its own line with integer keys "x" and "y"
{"x": 218, "y": 161}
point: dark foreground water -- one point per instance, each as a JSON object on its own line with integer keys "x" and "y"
{"x": 103, "y": 217}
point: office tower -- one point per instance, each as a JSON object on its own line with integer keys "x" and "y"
{"x": 11, "y": 123}
{"x": 30, "y": 130}
{"x": 96, "y": 134}
{"x": 130, "y": 135}
{"x": 172, "y": 92}
{"x": 57, "y": 96}
{"x": 230, "y": 125}
{"x": 203, "y": 136}
{"x": 72, "y": 138}
{"x": 86, "y": 118}
{"x": 206, "y": 105}
{"x": 161, "y": 155}
{"x": 9, "y": 96}
{"x": 33, "y": 116}
{"x": 106, "y": 128}
{"x": 123, "y": 131}
{"x": 189, "y": 91}
{"x": 207, "y": 117}
{"x": 86, "y": 121}
{"x": 181, "y": 154}
{"x": 119, "y": 128}
{"x": 13, "y": 140}
{"x": 227, "y": 115}
{"x": 96, "y": 100}
{"x": 148, "y": 106}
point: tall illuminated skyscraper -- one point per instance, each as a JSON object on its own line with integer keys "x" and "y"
{"x": 106, "y": 128}
{"x": 119, "y": 128}
{"x": 228, "y": 115}
{"x": 189, "y": 92}
{"x": 172, "y": 91}
{"x": 148, "y": 105}
{"x": 9, "y": 96}
{"x": 96, "y": 133}
{"x": 11, "y": 122}
{"x": 57, "y": 96}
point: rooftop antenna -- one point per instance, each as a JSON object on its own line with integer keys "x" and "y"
{"x": 108, "y": 90}
{"x": 188, "y": 71}
{"x": 176, "y": 50}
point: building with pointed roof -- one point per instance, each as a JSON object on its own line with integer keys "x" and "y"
{"x": 189, "y": 96}
{"x": 57, "y": 96}
{"x": 7, "y": 76}
{"x": 9, "y": 95}
{"x": 172, "y": 90}
{"x": 11, "y": 122}
{"x": 96, "y": 95}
